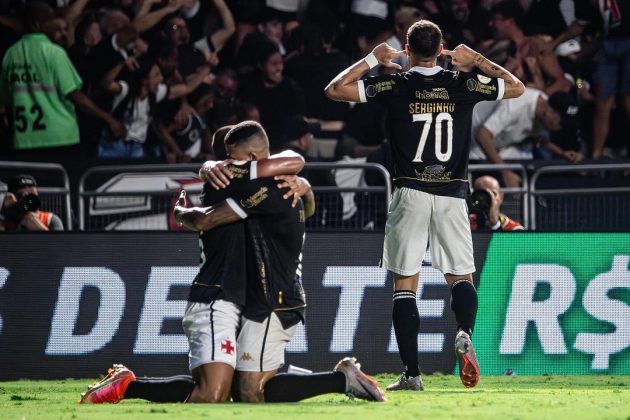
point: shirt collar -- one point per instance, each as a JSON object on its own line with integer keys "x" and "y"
{"x": 427, "y": 71}
{"x": 37, "y": 35}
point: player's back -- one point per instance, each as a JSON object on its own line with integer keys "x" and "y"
{"x": 275, "y": 235}
{"x": 222, "y": 273}
{"x": 429, "y": 116}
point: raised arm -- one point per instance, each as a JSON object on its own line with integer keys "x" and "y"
{"x": 464, "y": 56}
{"x": 221, "y": 36}
{"x": 203, "y": 218}
{"x": 149, "y": 20}
{"x": 286, "y": 163}
{"x": 345, "y": 87}
{"x": 485, "y": 138}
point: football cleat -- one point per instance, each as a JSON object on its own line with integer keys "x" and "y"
{"x": 358, "y": 384}
{"x": 404, "y": 383}
{"x": 468, "y": 365}
{"x": 110, "y": 389}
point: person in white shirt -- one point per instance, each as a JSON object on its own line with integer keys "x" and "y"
{"x": 501, "y": 129}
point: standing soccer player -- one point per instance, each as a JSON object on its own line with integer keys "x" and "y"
{"x": 430, "y": 114}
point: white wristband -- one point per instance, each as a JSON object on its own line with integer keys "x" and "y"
{"x": 371, "y": 60}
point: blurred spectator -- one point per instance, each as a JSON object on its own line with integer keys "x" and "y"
{"x": 21, "y": 208}
{"x": 502, "y": 130}
{"x": 529, "y": 62}
{"x": 404, "y": 17}
{"x": 133, "y": 104}
{"x": 187, "y": 138}
{"x": 464, "y": 24}
{"x": 226, "y": 86}
{"x": 276, "y": 96}
{"x": 612, "y": 76}
{"x": 329, "y": 206}
{"x": 268, "y": 30}
{"x": 484, "y": 206}
{"x": 39, "y": 86}
{"x": 313, "y": 67}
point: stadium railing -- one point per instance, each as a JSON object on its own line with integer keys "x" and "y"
{"x": 597, "y": 199}
{"x": 140, "y": 197}
{"x": 516, "y": 200}
{"x": 53, "y": 186}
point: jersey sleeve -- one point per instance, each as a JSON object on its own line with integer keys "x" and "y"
{"x": 242, "y": 172}
{"x": 66, "y": 76}
{"x": 258, "y": 197}
{"x": 377, "y": 88}
{"x": 479, "y": 87}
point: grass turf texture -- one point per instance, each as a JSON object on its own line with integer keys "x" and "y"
{"x": 496, "y": 397}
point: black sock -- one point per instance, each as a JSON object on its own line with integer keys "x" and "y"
{"x": 406, "y": 325}
{"x": 289, "y": 387}
{"x": 464, "y": 304}
{"x": 161, "y": 390}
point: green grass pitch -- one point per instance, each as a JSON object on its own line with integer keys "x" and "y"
{"x": 496, "y": 397}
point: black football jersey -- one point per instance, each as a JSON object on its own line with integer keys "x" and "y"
{"x": 275, "y": 232}
{"x": 222, "y": 273}
{"x": 429, "y": 113}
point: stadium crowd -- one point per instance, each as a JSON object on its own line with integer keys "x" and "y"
{"x": 173, "y": 72}
{"x": 152, "y": 80}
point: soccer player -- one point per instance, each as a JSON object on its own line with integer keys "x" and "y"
{"x": 430, "y": 113}
{"x": 260, "y": 345}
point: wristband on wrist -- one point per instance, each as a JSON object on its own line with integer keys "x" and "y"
{"x": 371, "y": 60}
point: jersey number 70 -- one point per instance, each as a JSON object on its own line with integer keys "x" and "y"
{"x": 428, "y": 120}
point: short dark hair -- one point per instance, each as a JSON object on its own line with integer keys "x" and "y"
{"x": 218, "y": 142}
{"x": 424, "y": 38}
{"x": 36, "y": 14}
{"x": 243, "y": 132}
{"x": 19, "y": 182}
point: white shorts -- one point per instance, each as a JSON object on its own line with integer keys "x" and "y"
{"x": 212, "y": 330}
{"x": 415, "y": 218}
{"x": 261, "y": 344}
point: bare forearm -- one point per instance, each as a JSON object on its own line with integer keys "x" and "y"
{"x": 575, "y": 29}
{"x": 309, "y": 204}
{"x": 513, "y": 86}
{"x": 280, "y": 164}
{"x": 85, "y": 104}
{"x": 220, "y": 37}
{"x": 13, "y": 23}
{"x": 205, "y": 218}
{"x": 75, "y": 10}
{"x": 551, "y": 147}
{"x": 486, "y": 141}
{"x": 337, "y": 89}
{"x": 149, "y": 20}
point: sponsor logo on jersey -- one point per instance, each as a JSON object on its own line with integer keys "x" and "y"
{"x": 434, "y": 173}
{"x": 473, "y": 86}
{"x": 437, "y": 93}
{"x": 256, "y": 198}
{"x": 383, "y": 86}
{"x": 238, "y": 172}
{"x": 247, "y": 357}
